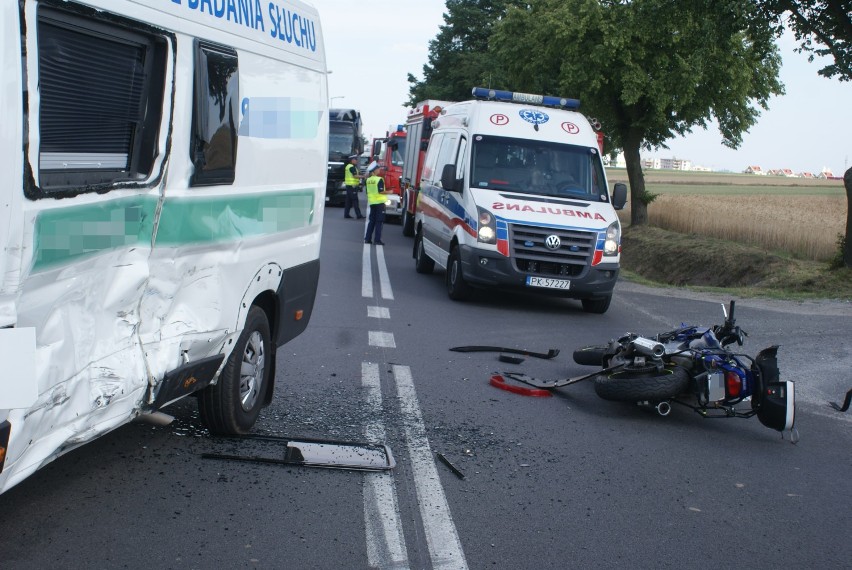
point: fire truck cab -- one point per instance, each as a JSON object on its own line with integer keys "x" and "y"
{"x": 389, "y": 152}
{"x": 419, "y": 128}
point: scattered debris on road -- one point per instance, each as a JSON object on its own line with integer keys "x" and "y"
{"x": 845, "y": 405}
{"x": 452, "y": 467}
{"x": 327, "y": 454}
{"x": 523, "y": 352}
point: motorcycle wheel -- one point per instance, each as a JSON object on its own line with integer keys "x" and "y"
{"x": 590, "y": 355}
{"x": 642, "y": 384}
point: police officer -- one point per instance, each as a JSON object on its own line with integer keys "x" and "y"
{"x": 376, "y": 200}
{"x": 350, "y": 180}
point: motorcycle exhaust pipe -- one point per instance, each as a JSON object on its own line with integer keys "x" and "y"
{"x": 663, "y": 408}
{"x": 648, "y": 347}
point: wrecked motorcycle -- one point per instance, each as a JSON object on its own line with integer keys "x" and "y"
{"x": 693, "y": 366}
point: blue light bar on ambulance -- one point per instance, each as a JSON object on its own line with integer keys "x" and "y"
{"x": 528, "y": 98}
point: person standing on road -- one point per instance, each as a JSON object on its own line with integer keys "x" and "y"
{"x": 350, "y": 180}
{"x": 376, "y": 201}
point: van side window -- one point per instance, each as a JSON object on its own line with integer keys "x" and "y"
{"x": 101, "y": 89}
{"x": 428, "y": 174}
{"x": 447, "y": 154}
{"x": 461, "y": 159}
{"x": 215, "y": 113}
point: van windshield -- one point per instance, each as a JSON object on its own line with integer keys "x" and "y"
{"x": 537, "y": 167}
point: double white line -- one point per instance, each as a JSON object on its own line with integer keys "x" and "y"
{"x": 385, "y": 538}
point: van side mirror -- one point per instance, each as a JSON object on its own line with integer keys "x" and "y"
{"x": 619, "y": 195}
{"x": 448, "y": 178}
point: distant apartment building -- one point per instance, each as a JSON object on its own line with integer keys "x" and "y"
{"x": 651, "y": 163}
{"x": 669, "y": 164}
{"x": 675, "y": 164}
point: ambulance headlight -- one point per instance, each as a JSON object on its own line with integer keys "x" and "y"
{"x": 487, "y": 228}
{"x": 613, "y": 238}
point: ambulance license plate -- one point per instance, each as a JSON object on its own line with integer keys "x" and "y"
{"x": 548, "y": 283}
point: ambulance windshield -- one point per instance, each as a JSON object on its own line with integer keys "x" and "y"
{"x": 537, "y": 167}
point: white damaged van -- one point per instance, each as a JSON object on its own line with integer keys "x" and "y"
{"x": 514, "y": 195}
{"x": 164, "y": 170}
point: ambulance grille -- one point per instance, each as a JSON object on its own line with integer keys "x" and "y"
{"x": 532, "y": 256}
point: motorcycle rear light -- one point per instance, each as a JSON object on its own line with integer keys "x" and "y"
{"x": 733, "y": 384}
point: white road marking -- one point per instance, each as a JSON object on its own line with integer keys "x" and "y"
{"x": 441, "y": 536}
{"x": 366, "y": 272}
{"x": 384, "y": 279}
{"x": 378, "y": 312}
{"x": 385, "y": 539}
{"x": 382, "y": 339}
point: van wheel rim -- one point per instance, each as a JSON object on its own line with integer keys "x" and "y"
{"x": 251, "y": 371}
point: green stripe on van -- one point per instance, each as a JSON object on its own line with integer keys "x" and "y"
{"x": 63, "y": 235}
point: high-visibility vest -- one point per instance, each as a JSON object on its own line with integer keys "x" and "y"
{"x": 373, "y": 196}
{"x": 349, "y": 175}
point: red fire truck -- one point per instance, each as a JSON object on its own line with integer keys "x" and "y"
{"x": 389, "y": 152}
{"x": 419, "y": 128}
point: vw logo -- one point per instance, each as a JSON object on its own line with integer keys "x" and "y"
{"x": 552, "y": 242}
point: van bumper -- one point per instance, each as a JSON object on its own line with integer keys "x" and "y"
{"x": 489, "y": 269}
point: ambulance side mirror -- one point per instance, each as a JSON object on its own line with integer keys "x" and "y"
{"x": 448, "y": 178}
{"x": 619, "y": 195}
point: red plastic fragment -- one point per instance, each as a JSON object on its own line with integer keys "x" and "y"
{"x": 499, "y": 382}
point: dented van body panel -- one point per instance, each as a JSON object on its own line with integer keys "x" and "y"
{"x": 130, "y": 259}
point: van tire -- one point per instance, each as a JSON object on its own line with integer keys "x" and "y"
{"x": 596, "y": 306}
{"x": 422, "y": 262}
{"x": 457, "y": 288}
{"x": 232, "y": 405}
{"x": 407, "y": 218}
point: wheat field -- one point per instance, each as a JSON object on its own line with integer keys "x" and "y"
{"x": 802, "y": 220}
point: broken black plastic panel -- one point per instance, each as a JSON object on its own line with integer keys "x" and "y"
{"x": 322, "y": 453}
{"x": 845, "y": 405}
{"x": 546, "y": 355}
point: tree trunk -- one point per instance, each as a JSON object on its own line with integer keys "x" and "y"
{"x": 847, "y": 250}
{"x": 638, "y": 207}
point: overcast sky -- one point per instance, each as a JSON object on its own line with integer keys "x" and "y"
{"x": 372, "y": 46}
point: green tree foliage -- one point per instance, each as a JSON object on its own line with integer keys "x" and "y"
{"x": 822, "y": 27}
{"x": 647, "y": 69}
{"x": 458, "y": 56}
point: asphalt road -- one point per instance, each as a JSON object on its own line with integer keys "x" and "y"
{"x": 568, "y": 481}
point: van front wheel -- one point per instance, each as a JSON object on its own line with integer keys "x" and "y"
{"x": 422, "y": 262}
{"x": 596, "y": 306}
{"x": 457, "y": 288}
{"x": 232, "y": 405}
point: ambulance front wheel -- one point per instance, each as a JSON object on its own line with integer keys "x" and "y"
{"x": 457, "y": 287}
{"x": 422, "y": 262}
{"x": 597, "y": 306}
{"x": 232, "y": 405}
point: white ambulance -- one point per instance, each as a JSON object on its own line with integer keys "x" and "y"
{"x": 513, "y": 195}
{"x": 160, "y": 220}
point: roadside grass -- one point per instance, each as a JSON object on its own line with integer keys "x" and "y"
{"x": 653, "y": 255}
